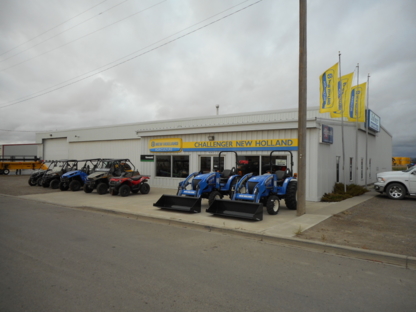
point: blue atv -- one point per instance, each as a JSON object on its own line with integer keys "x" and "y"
{"x": 75, "y": 180}
{"x": 254, "y": 192}
{"x": 212, "y": 185}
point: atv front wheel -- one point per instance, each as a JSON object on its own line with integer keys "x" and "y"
{"x": 291, "y": 195}
{"x": 75, "y": 185}
{"x": 124, "y": 190}
{"x": 87, "y": 189}
{"x": 54, "y": 184}
{"x": 63, "y": 186}
{"x": 102, "y": 188}
{"x": 145, "y": 188}
{"x": 32, "y": 182}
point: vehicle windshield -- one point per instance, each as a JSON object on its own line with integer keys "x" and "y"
{"x": 410, "y": 169}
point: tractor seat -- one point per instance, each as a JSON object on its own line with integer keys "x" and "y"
{"x": 281, "y": 175}
{"x": 225, "y": 175}
{"x": 135, "y": 178}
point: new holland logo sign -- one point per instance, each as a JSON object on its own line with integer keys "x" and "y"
{"x": 165, "y": 145}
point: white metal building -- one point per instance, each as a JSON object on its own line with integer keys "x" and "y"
{"x": 168, "y": 150}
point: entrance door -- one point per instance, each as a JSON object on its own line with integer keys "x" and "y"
{"x": 210, "y": 163}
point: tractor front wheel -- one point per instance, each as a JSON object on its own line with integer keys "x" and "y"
{"x": 213, "y": 196}
{"x": 291, "y": 195}
{"x": 273, "y": 205}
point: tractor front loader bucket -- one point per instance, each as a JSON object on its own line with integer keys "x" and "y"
{"x": 180, "y": 203}
{"x": 237, "y": 209}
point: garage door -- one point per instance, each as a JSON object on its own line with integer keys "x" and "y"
{"x": 55, "y": 149}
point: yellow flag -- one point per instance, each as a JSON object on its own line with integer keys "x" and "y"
{"x": 345, "y": 84}
{"x": 357, "y": 103}
{"x": 328, "y": 86}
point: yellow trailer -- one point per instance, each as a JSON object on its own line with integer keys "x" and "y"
{"x": 20, "y": 163}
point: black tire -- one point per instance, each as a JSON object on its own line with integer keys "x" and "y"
{"x": 54, "y": 184}
{"x": 113, "y": 191}
{"x": 75, "y": 185}
{"x": 39, "y": 181}
{"x": 64, "y": 186}
{"x": 145, "y": 188}
{"x": 87, "y": 189}
{"x": 213, "y": 196}
{"x": 45, "y": 183}
{"x": 396, "y": 191}
{"x": 102, "y": 188}
{"x": 32, "y": 182}
{"x": 124, "y": 190}
{"x": 273, "y": 205}
{"x": 291, "y": 195}
{"x": 6, "y": 171}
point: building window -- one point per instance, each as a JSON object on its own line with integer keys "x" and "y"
{"x": 351, "y": 161}
{"x": 172, "y": 166}
{"x": 276, "y": 163}
{"x": 362, "y": 168}
{"x": 337, "y": 168}
{"x": 247, "y": 164}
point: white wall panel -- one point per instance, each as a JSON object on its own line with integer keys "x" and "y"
{"x": 55, "y": 149}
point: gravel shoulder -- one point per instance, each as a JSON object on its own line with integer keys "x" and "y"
{"x": 379, "y": 224}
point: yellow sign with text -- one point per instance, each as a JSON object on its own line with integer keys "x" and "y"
{"x": 241, "y": 145}
{"x": 165, "y": 145}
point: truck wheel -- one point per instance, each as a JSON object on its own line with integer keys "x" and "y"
{"x": 75, "y": 185}
{"x": 54, "y": 184}
{"x": 124, "y": 190}
{"x": 273, "y": 205}
{"x": 6, "y": 171}
{"x": 32, "y": 182}
{"x": 145, "y": 188}
{"x": 102, "y": 188}
{"x": 213, "y": 196}
{"x": 291, "y": 195}
{"x": 396, "y": 191}
{"x": 87, "y": 189}
{"x": 113, "y": 191}
{"x": 63, "y": 186}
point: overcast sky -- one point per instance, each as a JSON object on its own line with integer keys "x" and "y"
{"x": 179, "y": 58}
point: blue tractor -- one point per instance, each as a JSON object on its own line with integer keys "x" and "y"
{"x": 75, "y": 179}
{"x": 254, "y": 192}
{"x": 212, "y": 186}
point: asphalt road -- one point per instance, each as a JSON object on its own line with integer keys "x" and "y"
{"x": 59, "y": 259}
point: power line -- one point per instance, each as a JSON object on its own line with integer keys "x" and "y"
{"x": 53, "y": 28}
{"x": 63, "y": 82}
{"x": 87, "y": 20}
{"x": 125, "y": 61}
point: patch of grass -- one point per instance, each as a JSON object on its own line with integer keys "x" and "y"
{"x": 338, "y": 193}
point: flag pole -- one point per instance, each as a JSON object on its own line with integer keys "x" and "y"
{"x": 366, "y": 131}
{"x": 356, "y": 127}
{"x": 342, "y": 118}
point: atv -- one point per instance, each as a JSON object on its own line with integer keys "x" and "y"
{"x": 74, "y": 180}
{"x": 52, "y": 176}
{"x": 36, "y": 177}
{"x": 124, "y": 185}
{"x": 100, "y": 179}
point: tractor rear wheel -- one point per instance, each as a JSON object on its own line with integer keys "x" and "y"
{"x": 145, "y": 188}
{"x": 273, "y": 205}
{"x": 102, "y": 188}
{"x": 124, "y": 190}
{"x": 291, "y": 195}
{"x": 63, "y": 186}
{"x": 213, "y": 196}
{"x": 75, "y": 185}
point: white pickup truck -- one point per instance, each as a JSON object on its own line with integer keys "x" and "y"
{"x": 397, "y": 184}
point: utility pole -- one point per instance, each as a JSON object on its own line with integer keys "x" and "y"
{"x": 301, "y": 201}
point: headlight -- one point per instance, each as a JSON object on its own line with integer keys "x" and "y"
{"x": 381, "y": 180}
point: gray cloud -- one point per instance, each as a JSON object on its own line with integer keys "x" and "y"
{"x": 245, "y": 62}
